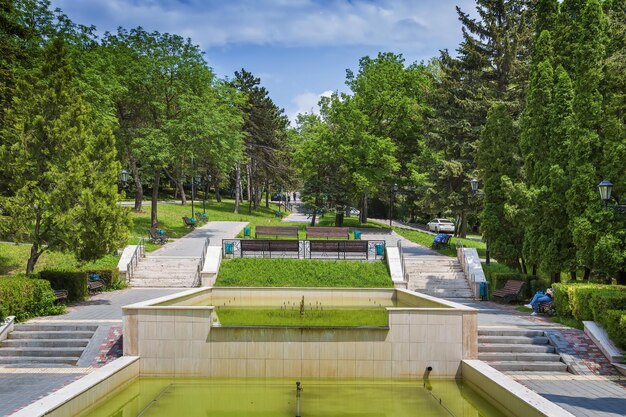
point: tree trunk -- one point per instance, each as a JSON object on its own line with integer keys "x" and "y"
{"x": 218, "y": 196}
{"x": 155, "y": 197}
{"x": 181, "y": 189}
{"x": 338, "y": 218}
{"x": 34, "y": 250}
{"x": 556, "y": 277}
{"x": 267, "y": 194}
{"x": 463, "y": 225}
{"x": 621, "y": 277}
{"x": 138, "y": 186}
{"x": 534, "y": 270}
{"x": 586, "y": 274}
{"x": 237, "y": 186}
{"x": 572, "y": 275}
{"x": 363, "y": 215}
{"x": 314, "y": 215}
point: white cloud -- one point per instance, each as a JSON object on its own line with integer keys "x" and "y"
{"x": 306, "y": 103}
{"x": 393, "y": 23}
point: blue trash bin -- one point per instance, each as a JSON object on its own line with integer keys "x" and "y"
{"x": 484, "y": 293}
{"x": 229, "y": 248}
{"x": 380, "y": 249}
{"x": 246, "y": 232}
{"x": 357, "y": 235}
{"x": 161, "y": 232}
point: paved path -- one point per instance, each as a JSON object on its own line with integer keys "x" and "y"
{"x": 298, "y": 214}
{"x": 191, "y": 244}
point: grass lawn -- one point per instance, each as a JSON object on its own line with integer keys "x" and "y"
{"x": 426, "y": 239}
{"x": 230, "y": 316}
{"x": 254, "y": 272}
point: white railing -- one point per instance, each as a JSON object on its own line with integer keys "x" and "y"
{"x": 198, "y": 279}
{"x": 473, "y": 273}
{"x": 405, "y": 275}
{"x": 139, "y": 252}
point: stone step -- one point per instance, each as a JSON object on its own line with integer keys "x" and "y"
{"x": 55, "y": 327}
{"x": 45, "y": 343}
{"x": 39, "y": 360}
{"x": 518, "y": 356}
{"x": 162, "y": 283}
{"x": 517, "y": 366}
{"x": 482, "y": 331}
{"x": 539, "y": 340}
{"x": 515, "y": 347}
{"x": 444, "y": 285}
{"x": 51, "y": 334}
{"x": 42, "y": 351}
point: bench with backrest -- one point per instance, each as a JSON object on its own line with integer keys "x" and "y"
{"x": 328, "y": 232}
{"x": 341, "y": 248}
{"x": 265, "y": 247}
{"x": 287, "y": 231}
{"x": 156, "y": 237}
{"x": 547, "y": 308}
{"x": 94, "y": 285}
{"x": 511, "y": 291}
{"x": 60, "y": 295}
{"x": 189, "y": 222}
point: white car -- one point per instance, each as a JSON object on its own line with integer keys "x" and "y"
{"x": 441, "y": 226}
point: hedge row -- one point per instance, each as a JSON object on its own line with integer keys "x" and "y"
{"x": 497, "y": 280}
{"x": 25, "y": 297}
{"x": 75, "y": 282}
{"x": 605, "y": 304}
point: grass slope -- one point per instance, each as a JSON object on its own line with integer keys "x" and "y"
{"x": 426, "y": 239}
{"x": 254, "y": 272}
{"x": 229, "y": 316}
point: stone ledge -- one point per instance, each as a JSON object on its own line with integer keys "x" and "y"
{"x": 6, "y": 327}
{"x": 601, "y": 339}
{"x": 509, "y": 396}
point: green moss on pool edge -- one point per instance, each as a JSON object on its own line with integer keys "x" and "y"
{"x": 266, "y": 317}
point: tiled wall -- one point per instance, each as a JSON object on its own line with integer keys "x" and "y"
{"x": 180, "y": 341}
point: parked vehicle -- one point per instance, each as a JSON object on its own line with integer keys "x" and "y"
{"x": 277, "y": 197}
{"x": 441, "y": 226}
{"x": 354, "y": 211}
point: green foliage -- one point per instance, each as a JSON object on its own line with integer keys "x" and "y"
{"x": 247, "y": 272}
{"x": 25, "y": 297}
{"x": 75, "y": 282}
{"x": 588, "y": 301}
{"x": 614, "y": 321}
{"x": 290, "y": 316}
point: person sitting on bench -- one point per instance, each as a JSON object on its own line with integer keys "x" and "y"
{"x": 539, "y": 298}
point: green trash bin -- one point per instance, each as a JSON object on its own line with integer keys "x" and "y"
{"x": 357, "y": 235}
{"x": 246, "y": 232}
{"x": 380, "y": 249}
{"x": 229, "y": 248}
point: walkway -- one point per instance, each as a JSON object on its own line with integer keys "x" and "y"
{"x": 192, "y": 243}
{"x": 298, "y": 214}
{"x": 22, "y": 386}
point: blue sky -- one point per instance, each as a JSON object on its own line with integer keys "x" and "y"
{"x": 299, "y": 48}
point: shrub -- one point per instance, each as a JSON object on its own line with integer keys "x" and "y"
{"x": 110, "y": 278}
{"x": 25, "y": 297}
{"x": 615, "y": 324}
{"x": 74, "y": 282}
{"x": 604, "y": 300}
{"x": 587, "y": 301}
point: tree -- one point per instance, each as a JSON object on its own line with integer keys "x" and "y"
{"x": 498, "y": 161}
{"x": 62, "y": 166}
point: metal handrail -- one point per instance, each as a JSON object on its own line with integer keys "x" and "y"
{"x": 198, "y": 278}
{"x": 134, "y": 259}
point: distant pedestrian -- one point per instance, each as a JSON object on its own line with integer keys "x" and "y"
{"x": 294, "y": 196}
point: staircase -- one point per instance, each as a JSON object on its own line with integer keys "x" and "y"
{"x": 165, "y": 271}
{"x": 439, "y": 276}
{"x": 516, "y": 350}
{"x": 45, "y": 344}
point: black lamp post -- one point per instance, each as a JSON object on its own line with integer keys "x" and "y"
{"x": 474, "y": 185}
{"x": 124, "y": 177}
{"x": 394, "y": 190}
{"x": 606, "y": 189}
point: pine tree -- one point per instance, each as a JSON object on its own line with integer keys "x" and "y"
{"x": 498, "y": 163}
{"x": 62, "y": 166}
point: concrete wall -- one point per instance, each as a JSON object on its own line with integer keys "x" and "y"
{"x": 473, "y": 269}
{"x": 183, "y": 340}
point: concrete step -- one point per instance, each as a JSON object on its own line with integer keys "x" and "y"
{"x": 482, "y": 331}
{"x": 55, "y": 327}
{"x": 539, "y": 340}
{"x": 45, "y": 343}
{"x": 42, "y": 351}
{"x": 57, "y": 334}
{"x": 517, "y": 366}
{"x": 445, "y": 285}
{"x": 162, "y": 282}
{"x": 39, "y": 360}
{"x": 518, "y": 356}
{"x": 515, "y": 347}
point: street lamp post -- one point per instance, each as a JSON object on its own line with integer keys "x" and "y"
{"x": 474, "y": 185}
{"x": 394, "y": 190}
{"x": 606, "y": 189}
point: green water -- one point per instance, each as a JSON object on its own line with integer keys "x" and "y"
{"x": 152, "y": 397}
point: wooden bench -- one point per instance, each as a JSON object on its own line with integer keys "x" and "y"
{"x": 189, "y": 222}
{"x": 339, "y": 247}
{"x": 93, "y": 286}
{"x": 441, "y": 240}
{"x": 510, "y": 292}
{"x": 328, "y": 232}
{"x": 60, "y": 295}
{"x": 289, "y": 231}
{"x": 156, "y": 237}
{"x": 269, "y": 247}
{"x": 547, "y": 308}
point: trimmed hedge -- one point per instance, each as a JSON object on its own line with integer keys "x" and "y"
{"x": 605, "y": 304}
{"x": 74, "y": 282}
{"x": 497, "y": 280}
{"x": 25, "y": 297}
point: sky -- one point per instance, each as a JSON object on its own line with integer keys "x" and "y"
{"x": 299, "y": 48}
